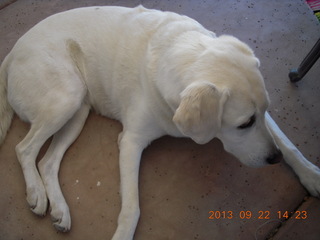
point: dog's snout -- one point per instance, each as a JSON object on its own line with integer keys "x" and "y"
{"x": 275, "y": 158}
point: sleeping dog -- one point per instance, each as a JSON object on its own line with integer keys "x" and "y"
{"x": 159, "y": 73}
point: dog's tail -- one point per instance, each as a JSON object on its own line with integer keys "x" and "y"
{"x": 6, "y": 111}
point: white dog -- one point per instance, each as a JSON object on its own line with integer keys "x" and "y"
{"x": 158, "y": 73}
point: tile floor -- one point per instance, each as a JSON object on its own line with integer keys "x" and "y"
{"x": 180, "y": 181}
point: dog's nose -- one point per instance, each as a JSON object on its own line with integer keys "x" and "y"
{"x": 275, "y": 158}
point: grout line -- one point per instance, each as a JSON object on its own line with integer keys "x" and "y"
{"x": 275, "y": 231}
{"x": 2, "y": 6}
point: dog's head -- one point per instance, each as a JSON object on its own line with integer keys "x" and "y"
{"x": 229, "y": 102}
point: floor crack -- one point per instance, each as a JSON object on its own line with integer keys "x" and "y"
{"x": 282, "y": 222}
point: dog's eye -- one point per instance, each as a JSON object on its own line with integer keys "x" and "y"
{"x": 248, "y": 124}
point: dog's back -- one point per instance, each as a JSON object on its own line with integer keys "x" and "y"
{"x": 105, "y": 46}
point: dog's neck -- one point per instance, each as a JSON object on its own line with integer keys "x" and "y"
{"x": 169, "y": 74}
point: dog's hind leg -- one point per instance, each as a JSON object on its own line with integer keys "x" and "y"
{"x": 308, "y": 173}
{"x": 50, "y": 115}
{"x": 50, "y": 163}
{"x": 27, "y": 151}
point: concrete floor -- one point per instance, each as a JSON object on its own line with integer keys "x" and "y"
{"x": 180, "y": 181}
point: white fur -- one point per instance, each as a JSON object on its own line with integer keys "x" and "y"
{"x": 158, "y": 73}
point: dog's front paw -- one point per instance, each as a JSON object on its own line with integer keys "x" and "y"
{"x": 37, "y": 200}
{"x": 311, "y": 181}
{"x": 60, "y": 216}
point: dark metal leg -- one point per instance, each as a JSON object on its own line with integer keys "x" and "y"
{"x": 296, "y": 75}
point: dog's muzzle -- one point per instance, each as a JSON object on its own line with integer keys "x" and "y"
{"x": 275, "y": 158}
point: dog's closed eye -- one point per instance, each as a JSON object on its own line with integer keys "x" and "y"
{"x": 248, "y": 123}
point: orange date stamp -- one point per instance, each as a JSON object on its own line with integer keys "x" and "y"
{"x": 263, "y": 215}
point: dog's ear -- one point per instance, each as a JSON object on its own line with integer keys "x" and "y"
{"x": 200, "y": 111}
